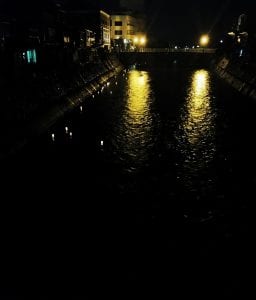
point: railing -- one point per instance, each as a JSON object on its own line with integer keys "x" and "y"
{"x": 172, "y": 50}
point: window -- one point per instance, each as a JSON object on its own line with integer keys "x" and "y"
{"x": 118, "y": 23}
{"x": 66, "y": 39}
{"x": 31, "y": 56}
{"x": 118, "y": 32}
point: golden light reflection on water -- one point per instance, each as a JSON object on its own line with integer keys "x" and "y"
{"x": 197, "y": 136}
{"x": 137, "y": 112}
{"x": 199, "y": 118}
{"x": 136, "y": 135}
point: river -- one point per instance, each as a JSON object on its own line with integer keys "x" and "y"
{"x": 152, "y": 177}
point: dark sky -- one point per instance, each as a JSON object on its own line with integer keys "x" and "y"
{"x": 178, "y": 22}
{"x": 183, "y": 21}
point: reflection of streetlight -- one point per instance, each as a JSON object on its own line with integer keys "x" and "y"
{"x": 204, "y": 40}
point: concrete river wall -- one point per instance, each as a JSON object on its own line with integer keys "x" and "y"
{"x": 34, "y": 100}
{"x": 239, "y": 74}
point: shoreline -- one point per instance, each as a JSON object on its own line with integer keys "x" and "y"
{"x": 18, "y": 134}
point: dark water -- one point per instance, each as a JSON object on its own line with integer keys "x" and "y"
{"x": 153, "y": 179}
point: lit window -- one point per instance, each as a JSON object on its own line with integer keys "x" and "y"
{"x": 31, "y": 56}
{"x": 66, "y": 39}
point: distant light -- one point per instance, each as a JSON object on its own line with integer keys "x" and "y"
{"x": 66, "y": 129}
{"x": 136, "y": 40}
{"x": 102, "y": 143}
{"x": 204, "y": 40}
{"x": 71, "y": 135}
{"x": 81, "y": 108}
{"x": 126, "y": 41}
{"x": 143, "y": 41}
{"x": 231, "y": 33}
{"x": 93, "y": 96}
{"x": 176, "y": 47}
{"x": 31, "y": 56}
{"x": 53, "y": 137}
{"x": 241, "y": 52}
{"x": 239, "y": 40}
{"x": 221, "y": 41}
{"x": 197, "y": 46}
{"x": 193, "y": 47}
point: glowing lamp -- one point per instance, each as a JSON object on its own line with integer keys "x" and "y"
{"x": 204, "y": 40}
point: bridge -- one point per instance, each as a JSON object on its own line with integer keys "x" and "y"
{"x": 173, "y": 50}
{"x": 201, "y": 57}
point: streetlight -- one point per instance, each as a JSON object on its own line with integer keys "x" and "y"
{"x": 143, "y": 41}
{"x": 140, "y": 41}
{"x": 136, "y": 40}
{"x": 204, "y": 40}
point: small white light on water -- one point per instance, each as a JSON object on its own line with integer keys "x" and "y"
{"x": 93, "y": 96}
{"x": 102, "y": 143}
{"x": 66, "y": 129}
{"x": 81, "y": 108}
{"x": 53, "y": 137}
{"x": 71, "y": 135}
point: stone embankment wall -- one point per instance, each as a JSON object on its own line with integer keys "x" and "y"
{"x": 241, "y": 75}
{"x": 32, "y": 101}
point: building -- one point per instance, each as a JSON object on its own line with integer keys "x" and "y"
{"x": 105, "y": 36}
{"x": 93, "y": 27}
{"x": 127, "y": 31}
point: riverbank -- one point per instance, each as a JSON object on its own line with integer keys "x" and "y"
{"x": 239, "y": 74}
{"x": 35, "y": 100}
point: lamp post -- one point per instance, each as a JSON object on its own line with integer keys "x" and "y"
{"x": 135, "y": 42}
{"x": 140, "y": 41}
{"x": 204, "y": 41}
{"x": 143, "y": 42}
